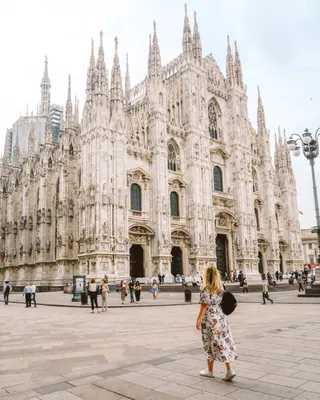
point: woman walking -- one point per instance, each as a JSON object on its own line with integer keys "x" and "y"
{"x": 131, "y": 290}
{"x": 92, "y": 290}
{"x": 123, "y": 291}
{"x": 154, "y": 290}
{"x": 137, "y": 289}
{"x": 104, "y": 295}
{"x": 216, "y": 333}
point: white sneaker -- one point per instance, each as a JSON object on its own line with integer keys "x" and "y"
{"x": 230, "y": 374}
{"x": 207, "y": 373}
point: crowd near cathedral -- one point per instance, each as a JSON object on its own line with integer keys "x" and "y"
{"x": 164, "y": 177}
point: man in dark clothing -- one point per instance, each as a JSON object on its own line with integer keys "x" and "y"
{"x": 160, "y": 278}
{"x": 277, "y": 275}
{"x": 300, "y": 283}
{"x": 6, "y": 292}
{"x": 163, "y": 276}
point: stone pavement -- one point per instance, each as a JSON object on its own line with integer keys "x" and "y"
{"x": 55, "y": 353}
{"x": 164, "y": 299}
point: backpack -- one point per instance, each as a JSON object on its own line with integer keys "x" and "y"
{"x": 228, "y": 303}
{"x": 7, "y": 289}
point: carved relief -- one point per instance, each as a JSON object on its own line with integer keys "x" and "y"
{"x": 30, "y": 248}
{"x": 60, "y": 210}
{"x": 70, "y": 210}
{"x": 21, "y": 250}
{"x": 30, "y": 223}
{"x": 49, "y": 216}
{"x": 39, "y": 217}
{"x": 70, "y": 241}
{"x": 38, "y": 245}
{"x": 59, "y": 239}
{"x": 48, "y": 245}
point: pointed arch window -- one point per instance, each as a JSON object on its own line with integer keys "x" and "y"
{"x": 174, "y": 204}
{"x": 256, "y": 213}
{"x": 213, "y": 124}
{"x": 135, "y": 196}
{"x": 217, "y": 179}
{"x": 173, "y": 157}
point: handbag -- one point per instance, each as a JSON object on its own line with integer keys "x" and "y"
{"x": 228, "y": 303}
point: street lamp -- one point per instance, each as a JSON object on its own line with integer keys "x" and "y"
{"x": 310, "y": 148}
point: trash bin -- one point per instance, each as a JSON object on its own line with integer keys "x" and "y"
{"x": 84, "y": 298}
{"x": 187, "y": 296}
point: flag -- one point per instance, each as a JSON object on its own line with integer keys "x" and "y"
{"x": 300, "y": 212}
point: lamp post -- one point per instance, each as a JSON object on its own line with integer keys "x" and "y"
{"x": 310, "y": 149}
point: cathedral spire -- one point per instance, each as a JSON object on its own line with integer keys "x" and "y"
{"x": 197, "y": 47}
{"x": 261, "y": 116}
{"x": 187, "y": 36}
{"x": 230, "y": 65}
{"x": 116, "y": 92}
{"x": 287, "y": 151}
{"x": 276, "y": 152}
{"x": 155, "y": 55}
{"x": 69, "y": 105}
{"x": 150, "y": 57}
{"x": 76, "y": 111}
{"x": 127, "y": 81}
{"x": 237, "y": 67}
{"x": 90, "y": 74}
{"x": 101, "y": 72}
{"x": 45, "y": 90}
{"x": 6, "y": 155}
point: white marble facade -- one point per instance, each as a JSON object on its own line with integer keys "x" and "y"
{"x": 166, "y": 176}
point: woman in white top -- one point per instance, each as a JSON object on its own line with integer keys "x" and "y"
{"x": 104, "y": 295}
{"x": 92, "y": 290}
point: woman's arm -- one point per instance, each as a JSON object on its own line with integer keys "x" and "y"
{"x": 203, "y": 308}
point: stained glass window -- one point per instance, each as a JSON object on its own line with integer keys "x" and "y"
{"x": 135, "y": 197}
{"x": 174, "y": 204}
{"x": 217, "y": 179}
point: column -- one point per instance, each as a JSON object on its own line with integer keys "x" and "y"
{"x": 230, "y": 254}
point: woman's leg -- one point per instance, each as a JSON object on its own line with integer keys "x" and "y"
{"x": 228, "y": 365}
{"x": 210, "y": 365}
{"x": 92, "y": 302}
{"x": 103, "y": 300}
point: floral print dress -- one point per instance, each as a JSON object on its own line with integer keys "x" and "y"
{"x": 216, "y": 333}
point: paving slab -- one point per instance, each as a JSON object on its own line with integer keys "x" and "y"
{"x": 70, "y": 354}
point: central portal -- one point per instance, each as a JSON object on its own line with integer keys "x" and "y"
{"x": 221, "y": 251}
{"x": 136, "y": 261}
{"x": 176, "y": 263}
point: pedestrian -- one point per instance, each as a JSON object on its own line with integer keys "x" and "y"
{"x": 93, "y": 293}
{"x": 245, "y": 285}
{"x": 6, "y": 292}
{"x": 277, "y": 275}
{"x": 137, "y": 290}
{"x": 265, "y": 292}
{"x": 104, "y": 295}
{"x": 154, "y": 290}
{"x": 159, "y": 278}
{"x": 163, "y": 276}
{"x": 131, "y": 291}
{"x": 33, "y": 294}
{"x": 216, "y": 333}
{"x": 240, "y": 278}
{"x": 123, "y": 291}
{"x": 27, "y": 294}
{"x": 300, "y": 283}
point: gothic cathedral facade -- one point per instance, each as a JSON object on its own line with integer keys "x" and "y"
{"x": 167, "y": 176}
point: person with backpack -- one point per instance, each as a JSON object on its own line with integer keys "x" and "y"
{"x": 212, "y": 320}
{"x": 6, "y": 292}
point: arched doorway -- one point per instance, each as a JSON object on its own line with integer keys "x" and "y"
{"x": 136, "y": 261}
{"x": 176, "y": 262}
{"x": 221, "y": 251}
{"x": 260, "y": 265}
{"x": 281, "y": 263}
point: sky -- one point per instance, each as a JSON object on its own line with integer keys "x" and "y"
{"x": 278, "y": 42}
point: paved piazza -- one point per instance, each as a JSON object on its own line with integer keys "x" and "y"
{"x": 61, "y": 353}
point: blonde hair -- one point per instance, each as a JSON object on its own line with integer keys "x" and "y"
{"x": 212, "y": 280}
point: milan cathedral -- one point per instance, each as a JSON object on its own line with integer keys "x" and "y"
{"x": 164, "y": 177}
